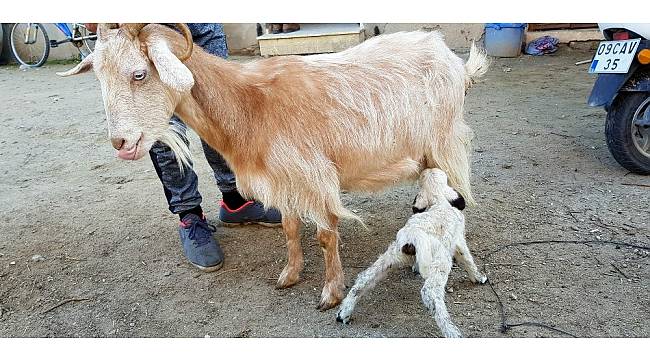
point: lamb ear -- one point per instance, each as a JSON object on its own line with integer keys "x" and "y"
{"x": 85, "y": 65}
{"x": 171, "y": 70}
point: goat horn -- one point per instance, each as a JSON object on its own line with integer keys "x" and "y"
{"x": 134, "y": 28}
{"x": 102, "y": 29}
{"x": 188, "y": 39}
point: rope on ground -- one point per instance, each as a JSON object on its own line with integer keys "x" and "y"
{"x": 64, "y": 302}
{"x": 504, "y": 321}
{"x": 642, "y": 247}
{"x": 505, "y": 326}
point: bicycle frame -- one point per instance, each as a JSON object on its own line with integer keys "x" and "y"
{"x": 70, "y": 35}
{"x": 65, "y": 29}
{"x": 28, "y": 34}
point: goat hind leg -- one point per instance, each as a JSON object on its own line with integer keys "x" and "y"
{"x": 433, "y": 297}
{"x": 291, "y": 272}
{"x": 333, "y": 289}
{"x": 368, "y": 279}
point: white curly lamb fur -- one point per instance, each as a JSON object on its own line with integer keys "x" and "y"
{"x": 429, "y": 241}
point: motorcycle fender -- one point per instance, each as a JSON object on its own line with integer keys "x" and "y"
{"x": 607, "y": 86}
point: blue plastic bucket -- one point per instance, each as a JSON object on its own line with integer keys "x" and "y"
{"x": 504, "y": 39}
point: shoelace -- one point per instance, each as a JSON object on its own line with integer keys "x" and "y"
{"x": 201, "y": 232}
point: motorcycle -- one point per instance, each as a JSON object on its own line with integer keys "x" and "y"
{"x": 623, "y": 88}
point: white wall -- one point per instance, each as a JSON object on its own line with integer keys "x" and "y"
{"x": 457, "y": 36}
{"x": 241, "y": 38}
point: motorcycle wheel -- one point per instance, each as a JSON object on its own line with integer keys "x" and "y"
{"x": 628, "y": 143}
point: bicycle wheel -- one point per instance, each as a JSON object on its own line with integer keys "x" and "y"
{"x": 30, "y": 44}
{"x": 88, "y": 44}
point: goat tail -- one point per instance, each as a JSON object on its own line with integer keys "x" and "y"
{"x": 476, "y": 66}
{"x": 452, "y": 155}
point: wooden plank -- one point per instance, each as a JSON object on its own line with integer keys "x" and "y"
{"x": 584, "y": 25}
{"x": 560, "y": 26}
{"x": 537, "y": 27}
{"x": 308, "y": 45}
{"x": 567, "y": 36}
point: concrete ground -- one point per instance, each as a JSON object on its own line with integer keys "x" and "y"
{"x": 76, "y": 223}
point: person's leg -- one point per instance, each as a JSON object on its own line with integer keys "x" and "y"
{"x": 181, "y": 188}
{"x": 224, "y": 176}
{"x": 234, "y": 209}
{"x": 184, "y": 199}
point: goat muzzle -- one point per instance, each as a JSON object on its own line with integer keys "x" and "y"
{"x": 117, "y": 143}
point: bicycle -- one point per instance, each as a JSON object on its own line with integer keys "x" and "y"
{"x": 31, "y": 44}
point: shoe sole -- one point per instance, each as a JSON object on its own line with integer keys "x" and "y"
{"x": 208, "y": 269}
{"x": 265, "y": 224}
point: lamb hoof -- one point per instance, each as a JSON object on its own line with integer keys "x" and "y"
{"x": 482, "y": 280}
{"x": 453, "y": 334}
{"x": 345, "y": 320}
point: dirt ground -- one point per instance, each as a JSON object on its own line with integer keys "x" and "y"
{"x": 75, "y": 222}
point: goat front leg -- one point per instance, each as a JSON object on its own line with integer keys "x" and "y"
{"x": 333, "y": 289}
{"x": 291, "y": 273}
{"x": 369, "y": 278}
{"x": 465, "y": 260}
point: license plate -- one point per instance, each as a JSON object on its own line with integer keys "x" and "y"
{"x": 614, "y": 57}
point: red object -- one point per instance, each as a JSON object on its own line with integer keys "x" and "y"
{"x": 223, "y": 205}
{"x": 92, "y": 27}
{"x": 621, "y": 35}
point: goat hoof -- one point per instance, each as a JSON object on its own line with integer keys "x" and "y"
{"x": 331, "y": 296}
{"x": 287, "y": 279}
{"x": 285, "y": 284}
{"x": 326, "y": 304}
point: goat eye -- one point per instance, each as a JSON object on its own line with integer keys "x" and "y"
{"x": 139, "y": 75}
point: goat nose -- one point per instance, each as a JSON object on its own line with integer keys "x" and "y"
{"x": 117, "y": 143}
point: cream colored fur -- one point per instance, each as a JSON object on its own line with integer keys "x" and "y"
{"x": 297, "y": 130}
{"x": 436, "y": 236}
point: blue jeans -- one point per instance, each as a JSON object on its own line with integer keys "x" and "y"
{"x": 182, "y": 189}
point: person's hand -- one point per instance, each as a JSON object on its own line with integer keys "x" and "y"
{"x": 92, "y": 27}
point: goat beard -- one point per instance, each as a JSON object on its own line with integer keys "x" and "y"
{"x": 175, "y": 137}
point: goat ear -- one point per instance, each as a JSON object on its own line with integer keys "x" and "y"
{"x": 84, "y": 66}
{"x": 172, "y": 71}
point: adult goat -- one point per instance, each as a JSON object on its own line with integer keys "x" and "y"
{"x": 295, "y": 130}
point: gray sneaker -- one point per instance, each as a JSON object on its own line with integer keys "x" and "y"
{"x": 252, "y": 212}
{"x": 199, "y": 246}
